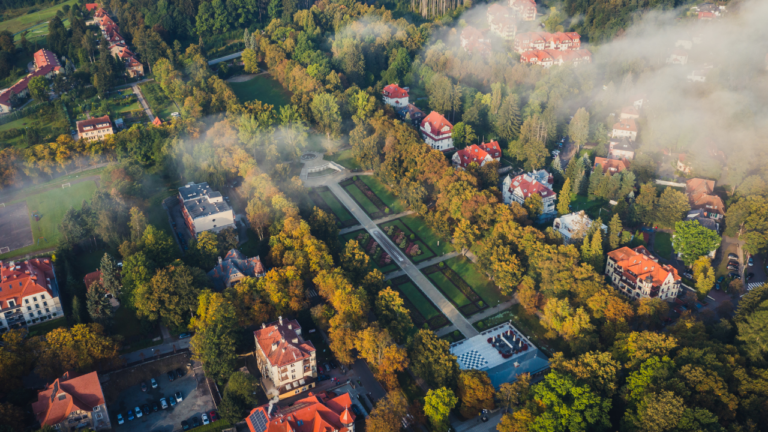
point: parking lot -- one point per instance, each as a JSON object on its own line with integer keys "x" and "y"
{"x": 196, "y": 401}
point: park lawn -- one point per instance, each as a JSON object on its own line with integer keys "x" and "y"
{"x": 477, "y": 280}
{"x": 417, "y": 225}
{"x": 592, "y": 208}
{"x": 46, "y": 326}
{"x": 344, "y": 158}
{"x": 353, "y": 236}
{"x": 121, "y": 109}
{"x": 52, "y": 205}
{"x": 662, "y": 244}
{"x": 338, "y": 209}
{"x": 16, "y": 124}
{"x": 426, "y": 252}
{"x": 449, "y": 289}
{"x": 419, "y": 300}
{"x": 361, "y": 199}
{"x": 264, "y": 88}
{"x": 20, "y": 23}
{"x": 384, "y": 193}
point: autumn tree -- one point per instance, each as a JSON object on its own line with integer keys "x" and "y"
{"x": 171, "y": 295}
{"x": 564, "y": 198}
{"x": 284, "y": 289}
{"x": 258, "y": 213}
{"x": 463, "y": 135}
{"x": 646, "y": 202}
{"x": 564, "y": 320}
{"x": 614, "y": 232}
{"x": 465, "y": 235}
{"x": 432, "y": 360}
{"x": 214, "y": 341}
{"x": 515, "y": 393}
{"x": 391, "y": 310}
{"x": 569, "y": 404}
{"x": 529, "y": 298}
{"x": 80, "y": 349}
{"x": 596, "y": 369}
{"x": 475, "y": 392}
{"x": 354, "y": 262}
{"x": 534, "y": 205}
{"x": 704, "y": 275}
{"x": 437, "y": 405}
{"x": 17, "y": 355}
{"x": 376, "y": 346}
{"x": 388, "y": 414}
{"x": 239, "y": 397}
{"x": 138, "y": 224}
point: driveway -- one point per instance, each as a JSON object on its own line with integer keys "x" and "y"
{"x": 143, "y": 103}
{"x": 196, "y": 401}
{"x": 183, "y": 235}
{"x": 164, "y": 348}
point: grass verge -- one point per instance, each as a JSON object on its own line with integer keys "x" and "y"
{"x": 264, "y": 88}
{"x": 662, "y": 244}
{"x": 384, "y": 193}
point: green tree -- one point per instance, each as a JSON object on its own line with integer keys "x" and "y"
{"x": 475, "y": 392}
{"x": 578, "y": 129}
{"x": 239, "y": 397}
{"x": 534, "y": 205}
{"x": 529, "y": 147}
{"x": 614, "y": 232}
{"x": 138, "y": 224}
{"x": 205, "y": 250}
{"x": 38, "y": 88}
{"x": 752, "y": 329}
{"x": 463, "y": 135}
{"x": 98, "y": 304}
{"x": 570, "y": 407}
{"x": 82, "y": 348}
{"x": 437, "y": 405}
{"x": 214, "y": 340}
{"x": 575, "y": 173}
{"x": 431, "y": 359}
{"x": 552, "y": 23}
{"x": 171, "y": 295}
{"x": 325, "y": 110}
{"x": 671, "y": 207}
{"x": 692, "y": 241}
{"x": 251, "y": 60}
{"x": 564, "y": 199}
{"x": 391, "y": 310}
{"x": 13, "y": 418}
{"x": 515, "y": 393}
{"x": 158, "y": 246}
{"x": 109, "y": 275}
{"x": 646, "y": 202}
{"x": 507, "y": 122}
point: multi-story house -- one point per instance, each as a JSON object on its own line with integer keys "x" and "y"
{"x": 474, "y": 41}
{"x": 73, "y": 404}
{"x": 479, "y": 154}
{"x": 525, "y": 9}
{"x": 502, "y": 20}
{"x": 629, "y": 112}
{"x": 701, "y": 197}
{"x": 395, "y": 96}
{"x": 234, "y": 268}
{"x": 609, "y": 166}
{"x": 539, "y": 182}
{"x": 287, "y": 362}
{"x": 637, "y": 274}
{"x": 96, "y": 128}
{"x": 436, "y": 131}
{"x": 324, "y": 412}
{"x": 621, "y": 149}
{"x": 552, "y": 57}
{"x": 544, "y": 40}
{"x": 411, "y": 114}
{"x": 625, "y": 128}
{"x": 204, "y": 209}
{"x": 29, "y": 293}
{"x": 572, "y": 227}
{"x": 46, "y": 65}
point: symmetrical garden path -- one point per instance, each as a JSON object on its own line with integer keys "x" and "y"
{"x": 378, "y": 221}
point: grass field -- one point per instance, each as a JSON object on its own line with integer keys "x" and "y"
{"x": 361, "y": 199}
{"x": 479, "y": 283}
{"x": 52, "y": 204}
{"x": 592, "y": 208}
{"x": 426, "y": 252}
{"x": 26, "y": 21}
{"x": 344, "y": 159}
{"x": 449, "y": 289}
{"x": 158, "y": 102}
{"x": 384, "y": 193}
{"x": 422, "y": 230}
{"x": 662, "y": 244}
{"x": 338, "y": 209}
{"x": 264, "y": 88}
{"x": 421, "y": 302}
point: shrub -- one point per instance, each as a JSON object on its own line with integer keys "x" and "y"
{"x": 354, "y": 178}
{"x": 386, "y": 210}
{"x": 402, "y": 244}
{"x": 412, "y": 237}
{"x": 441, "y": 264}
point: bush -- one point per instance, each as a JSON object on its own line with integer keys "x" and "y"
{"x": 354, "y": 178}
{"x": 403, "y": 244}
{"x": 412, "y": 237}
{"x": 386, "y": 210}
{"x": 441, "y": 264}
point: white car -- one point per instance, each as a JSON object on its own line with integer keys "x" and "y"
{"x": 138, "y": 412}
{"x": 163, "y": 403}
{"x": 206, "y": 420}
{"x": 178, "y": 397}
{"x": 120, "y": 419}
{"x": 153, "y": 382}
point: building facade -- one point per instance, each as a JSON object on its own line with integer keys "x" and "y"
{"x": 95, "y": 129}
{"x": 636, "y": 273}
{"x": 287, "y": 362}
{"x": 525, "y": 9}
{"x": 517, "y": 189}
{"x": 436, "y": 131}
{"x": 625, "y": 128}
{"x": 621, "y": 149}
{"x": 29, "y": 293}
{"x": 574, "y": 226}
{"x": 395, "y": 96}
{"x": 73, "y": 404}
{"x": 204, "y": 209}
{"x": 701, "y": 197}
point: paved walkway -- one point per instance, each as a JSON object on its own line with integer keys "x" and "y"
{"x": 124, "y": 86}
{"x": 144, "y": 105}
{"x": 481, "y": 316}
{"x": 225, "y": 58}
{"x": 424, "y": 264}
{"x": 378, "y": 221}
{"x": 163, "y": 348}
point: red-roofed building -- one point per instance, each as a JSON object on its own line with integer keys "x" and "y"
{"x": 96, "y": 128}
{"x": 436, "y": 131}
{"x": 91, "y": 6}
{"x": 464, "y": 157}
{"x": 92, "y": 277}
{"x": 133, "y": 67}
{"x": 46, "y": 65}
{"x": 395, "y": 96}
{"x": 324, "y": 412}
{"x": 610, "y": 166}
{"x": 44, "y": 58}
{"x": 29, "y": 293}
{"x": 701, "y": 196}
{"x": 73, "y": 404}
{"x": 544, "y": 40}
{"x": 287, "y": 362}
{"x": 552, "y": 57}
{"x": 474, "y": 41}
{"x": 493, "y": 148}
{"x": 637, "y": 273}
{"x": 502, "y": 20}
{"x": 629, "y": 112}
{"x": 525, "y": 9}
{"x": 539, "y": 182}
{"x": 625, "y": 128}
{"x": 706, "y": 15}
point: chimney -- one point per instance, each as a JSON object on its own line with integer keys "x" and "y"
{"x": 281, "y": 319}
{"x": 219, "y": 260}
{"x": 295, "y": 340}
{"x": 263, "y": 325}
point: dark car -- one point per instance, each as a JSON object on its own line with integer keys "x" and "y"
{"x": 184, "y": 425}
{"x": 749, "y": 277}
{"x": 143, "y": 386}
{"x": 185, "y": 335}
{"x": 214, "y": 416}
{"x": 732, "y": 267}
{"x": 688, "y": 275}
{"x": 180, "y": 372}
{"x": 145, "y": 409}
{"x": 734, "y": 275}
{"x": 171, "y": 375}
{"x": 155, "y": 407}
{"x": 323, "y": 378}
{"x": 195, "y": 422}
{"x": 733, "y": 262}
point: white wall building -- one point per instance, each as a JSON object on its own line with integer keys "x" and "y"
{"x": 29, "y": 293}
{"x": 574, "y": 226}
{"x": 436, "y": 131}
{"x": 204, "y": 209}
{"x": 395, "y": 96}
{"x": 625, "y": 128}
{"x": 637, "y": 274}
{"x": 287, "y": 362}
{"x": 540, "y": 182}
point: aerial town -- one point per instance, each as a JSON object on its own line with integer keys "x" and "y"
{"x": 348, "y": 216}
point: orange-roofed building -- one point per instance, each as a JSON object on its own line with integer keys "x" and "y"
{"x": 29, "y": 293}
{"x": 91, "y": 6}
{"x": 474, "y": 41}
{"x": 474, "y": 153}
{"x": 395, "y": 96}
{"x": 629, "y": 112}
{"x": 637, "y": 274}
{"x": 157, "y": 121}
{"x": 493, "y": 148}
{"x": 610, "y": 166}
{"x": 625, "y": 128}
{"x": 525, "y": 9}
{"x": 436, "y": 131}
{"x": 44, "y": 58}
{"x": 517, "y": 189}
{"x": 73, "y": 404}
{"x": 323, "y": 412}
{"x": 701, "y": 196}
{"x": 287, "y": 362}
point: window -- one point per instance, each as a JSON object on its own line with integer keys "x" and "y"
{"x": 39, "y": 313}
{"x": 34, "y": 298}
{"x": 45, "y": 303}
{"x": 47, "y": 311}
{"x": 96, "y": 408}
{"x": 37, "y": 306}
{"x": 26, "y": 301}
{"x": 98, "y": 415}
{"x": 29, "y": 308}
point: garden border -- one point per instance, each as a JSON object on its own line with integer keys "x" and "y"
{"x": 417, "y": 238}
{"x": 419, "y": 320}
{"x": 471, "y": 309}
{"x": 363, "y": 188}
{"x": 365, "y": 250}
{"x": 324, "y": 206}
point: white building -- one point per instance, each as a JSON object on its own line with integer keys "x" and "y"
{"x": 625, "y": 128}
{"x": 436, "y": 131}
{"x": 287, "y": 362}
{"x": 621, "y": 149}
{"x": 637, "y": 274}
{"x": 574, "y": 226}
{"x": 395, "y": 96}
{"x": 479, "y": 154}
{"x": 29, "y": 293}
{"x": 204, "y": 209}
{"x": 540, "y": 182}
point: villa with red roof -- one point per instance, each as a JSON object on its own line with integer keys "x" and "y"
{"x": 91, "y": 6}
{"x": 29, "y": 293}
{"x": 544, "y": 40}
{"x": 552, "y": 57}
{"x": 480, "y": 154}
{"x": 637, "y": 274}
{"x": 502, "y": 20}
{"x": 625, "y": 128}
{"x": 133, "y": 67}
{"x": 525, "y": 9}
{"x": 610, "y": 166}
{"x": 395, "y": 96}
{"x": 436, "y": 131}
{"x": 539, "y": 182}
{"x": 474, "y": 41}
{"x": 287, "y": 362}
{"x": 701, "y": 196}
{"x": 323, "y": 412}
{"x": 73, "y": 404}
{"x": 46, "y": 65}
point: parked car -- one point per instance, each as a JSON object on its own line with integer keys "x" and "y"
{"x": 184, "y": 425}
{"x": 688, "y": 275}
{"x": 138, "y": 412}
{"x": 155, "y": 407}
{"x": 327, "y": 367}
{"x": 333, "y": 364}
{"x": 173, "y": 401}
{"x": 163, "y": 403}
{"x": 323, "y": 378}
{"x": 751, "y": 261}
{"x": 130, "y": 415}
{"x": 145, "y": 409}
{"x": 206, "y": 420}
{"x": 143, "y": 386}
{"x": 171, "y": 375}
{"x": 749, "y": 277}
{"x": 153, "y": 382}
{"x": 732, "y": 266}
{"x": 120, "y": 419}
{"x": 195, "y": 422}
{"x": 178, "y": 396}
{"x": 733, "y": 256}
{"x": 720, "y": 279}
{"x": 180, "y": 372}
{"x": 185, "y": 335}
{"x": 214, "y": 416}
{"x": 319, "y": 369}
{"x": 734, "y": 275}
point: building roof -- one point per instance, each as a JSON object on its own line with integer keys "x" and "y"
{"x": 704, "y": 221}
{"x": 235, "y": 266}
{"x": 200, "y": 200}
{"x": 94, "y": 124}
{"x": 622, "y": 144}
{"x": 157, "y": 121}
{"x": 626, "y": 125}
{"x": 611, "y": 166}
{"x": 630, "y": 110}
{"x": 91, "y": 6}
{"x": 533, "y": 183}
{"x": 394, "y": 91}
{"x": 701, "y": 195}
{"x": 437, "y": 123}
{"x": 65, "y": 395}
{"x": 19, "y": 279}
{"x": 411, "y": 110}
{"x": 470, "y": 33}
{"x": 576, "y": 224}
{"x": 282, "y": 344}
{"x": 323, "y": 412}
{"x": 473, "y": 153}
{"x": 44, "y": 57}
{"x": 492, "y": 148}
{"x": 639, "y": 263}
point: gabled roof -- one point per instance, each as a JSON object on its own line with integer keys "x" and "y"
{"x": 65, "y": 395}
{"x": 98, "y": 123}
{"x": 701, "y": 196}
{"x": 157, "y": 121}
{"x": 527, "y": 185}
{"x": 282, "y": 344}
{"x": 19, "y": 279}
{"x": 315, "y": 413}
{"x": 611, "y": 166}
{"x": 492, "y": 148}
{"x": 437, "y": 123}
{"x": 639, "y": 263}
{"x": 626, "y": 125}
{"x": 91, "y": 6}
{"x": 394, "y": 91}
{"x": 470, "y": 154}
{"x": 44, "y": 57}
{"x": 630, "y": 110}
{"x": 235, "y": 266}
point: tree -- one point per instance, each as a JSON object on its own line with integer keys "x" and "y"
{"x": 596, "y": 369}
{"x": 704, "y": 275}
{"x": 432, "y": 360}
{"x": 354, "y": 262}
{"x": 250, "y": 60}
{"x": 98, "y": 304}
{"x": 564, "y": 199}
{"x": 692, "y": 241}
{"x": 13, "y": 418}
{"x": 578, "y": 129}
{"x": 614, "y": 232}
{"x": 645, "y": 203}
{"x": 325, "y": 110}
{"x": 258, "y": 214}
{"x": 437, "y": 405}
{"x": 239, "y": 397}
{"x": 171, "y": 295}
{"x": 214, "y": 341}
{"x": 205, "y": 250}
{"x": 569, "y": 406}
{"x": 138, "y": 224}
{"x": 519, "y": 421}
{"x": 513, "y": 394}
{"x": 561, "y": 318}
{"x": 671, "y": 207}
{"x": 109, "y": 275}
{"x": 388, "y": 414}
{"x": 16, "y": 359}
{"x": 529, "y": 298}
{"x": 382, "y": 354}
{"x": 391, "y": 310}
{"x": 463, "y": 135}
{"x": 158, "y": 246}
{"x": 38, "y": 88}
{"x": 529, "y": 147}
{"x": 475, "y": 392}
{"x": 752, "y": 331}
{"x": 652, "y": 311}
{"x": 660, "y": 412}
{"x": 575, "y": 173}
{"x": 465, "y": 235}
{"x": 507, "y": 122}
{"x": 82, "y": 348}
{"x": 534, "y": 205}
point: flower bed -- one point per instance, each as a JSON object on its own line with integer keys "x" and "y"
{"x": 401, "y": 239}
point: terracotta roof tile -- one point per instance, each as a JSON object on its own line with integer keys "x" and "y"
{"x": 82, "y": 393}
{"x": 282, "y": 344}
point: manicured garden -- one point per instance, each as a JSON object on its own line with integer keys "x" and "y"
{"x": 384, "y": 194}
{"x": 485, "y": 288}
{"x": 379, "y": 259}
{"x": 407, "y": 241}
{"x": 323, "y": 198}
{"x": 422, "y": 309}
{"x": 430, "y": 238}
{"x": 264, "y": 88}
{"x": 158, "y": 102}
{"x": 453, "y": 336}
{"x": 366, "y": 198}
{"x": 453, "y": 287}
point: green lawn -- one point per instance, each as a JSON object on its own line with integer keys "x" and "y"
{"x": 477, "y": 280}
{"x": 449, "y": 289}
{"x": 344, "y": 159}
{"x": 26, "y": 21}
{"x": 361, "y": 199}
{"x": 52, "y": 205}
{"x": 158, "y": 102}
{"x": 419, "y": 300}
{"x": 592, "y": 208}
{"x": 384, "y": 193}
{"x": 46, "y": 326}
{"x": 431, "y": 238}
{"x": 264, "y": 88}
{"x": 662, "y": 244}
{"x": 338, "y": 209}
{"x": 426, "y": 252}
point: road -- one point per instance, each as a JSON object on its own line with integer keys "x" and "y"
{"x": 143, "y": 103}
{"x": 163, "y": 348}
{"x": 225, "y": 58}
{"x": 123, "y": 86}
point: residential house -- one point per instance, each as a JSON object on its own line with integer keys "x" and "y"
{"x": 492, "y": 148}
{"x": 411, "y": 114}
{"x": 234, "y": 268}
{"x": 505, "y": 26}
{"x": 678, "y": 57}
{"x": 323, "y": 412}
{"x": 629, "y": 112}
{"x": 553, "y": 57}
{"x": 529, "y": 41}
{"x": 684, "y": 43}
{"x": 701, "y": 196}
{"x": 706, "y": 16}
{"x": 474, "y": 41}
{"x": 610, "y": 166}
{"x": 96, "y": 128}
{"x": 204, "y": 209}
{"x": 46, "y": 65}
{"x": 574, "y": 226}
{"x": 525, "y": 9}
{"x": 29, "y": 293}
{"x": 682, "y": 164}
{"x": 699, "y": 74}
{"x": 157, "y": 122}
{"x": 517, "y": 189}
{"x": 133, "y": 67}
{"x": 287, "y": 362}
{"x": 625, "y": 128}
{"x": 73, "y": 403}
{"x": 462, "y": 158}
{"x": 621, "y": 149}
{"x": 91, "y": 6}
{"x": 91, "y": 278}
{"x": 395, "y": 96}
{"x": 637, "y": 274}
{"x": 436, "y": 131}
{"x": 638, "y": 101}
{"x": 544, "y": 40}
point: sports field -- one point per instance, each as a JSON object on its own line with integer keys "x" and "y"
{"x": 264, "y": 88}
{"x": 384, "y": 193}
{"x": 23, "y": 22}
